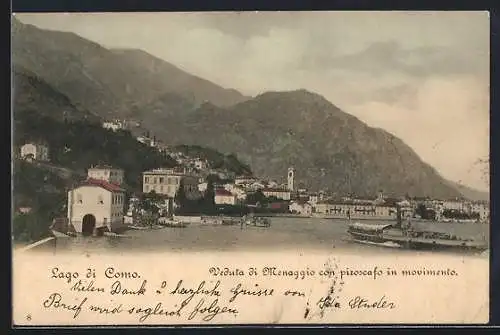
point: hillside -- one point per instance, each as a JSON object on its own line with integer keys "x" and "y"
{"x": 31, "y": 93}
{"x": 80, "y": 144}
{"x": 470, "y": 193}
{"x": 110, "y": 83}
{"x": 217, "y": 160}
{"x": 41, "y": 190}
{"x": 330, "y": 149}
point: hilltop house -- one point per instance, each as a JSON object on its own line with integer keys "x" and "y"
{"x": 96, "y": 205}
{"x": 107, "y": 173}
{"x": 35, "y": 151}
{"x": 114, "y": 125}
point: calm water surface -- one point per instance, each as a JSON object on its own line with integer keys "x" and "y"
{"x": 297, "y": 234}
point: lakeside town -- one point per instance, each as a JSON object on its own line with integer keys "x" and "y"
{"x": 102, "y": 200}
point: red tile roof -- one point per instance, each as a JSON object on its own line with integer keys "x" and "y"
{"x": 223, "y": 192}
{"x": 103, "y": 184}
{"x": 273, "y": 189}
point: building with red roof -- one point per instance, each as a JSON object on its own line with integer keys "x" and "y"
{"x": 95, "y": 205}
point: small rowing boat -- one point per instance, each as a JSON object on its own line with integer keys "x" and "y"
{"x": 60, "y": 234}
{"x": 172, "y": 223}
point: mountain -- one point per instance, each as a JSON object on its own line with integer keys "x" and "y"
{"x": 329, "y": 148}
{"x": 30, "y": 93}
{"x": 110, "y": 83}
{"x": 470, "y": 193}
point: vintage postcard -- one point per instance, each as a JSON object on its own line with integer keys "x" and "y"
{"x": 250, "y": 168}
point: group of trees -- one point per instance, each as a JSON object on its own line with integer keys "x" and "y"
{"x": 259, "y": 199}
{"x": 44, "y": 193}
{"x": 460, "y": 215}
{"x": 425, "y": 213}
{"x": 204, "y": 205}
{"x": 79, "y": 144}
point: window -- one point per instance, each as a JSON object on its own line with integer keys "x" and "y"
{"x": 146, "y": 180}
{"x": 155, "y": 180}
{"x": 161, "y": 180}
{"x": 161, "y": 188}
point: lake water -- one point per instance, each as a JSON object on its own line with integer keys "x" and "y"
{"x": 295, "y": 234}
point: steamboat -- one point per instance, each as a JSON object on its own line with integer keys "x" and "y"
{"x": 405, "y": 235}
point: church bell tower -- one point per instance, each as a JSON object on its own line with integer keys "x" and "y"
{"x": 290, "y": 178}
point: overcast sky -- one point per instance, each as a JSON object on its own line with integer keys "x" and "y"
{"x": 423, "y": 76}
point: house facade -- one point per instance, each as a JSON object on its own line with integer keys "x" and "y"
{"x": 35, "y": 151}
{"x": 225, "y": 197}
{"x": 109, "y": 174}
{"x": 482, "y": 208}
{"x": 355, "y": 210}
{"x": 168, "y": 181}
{"x": 96, "y": 204}
{"x": 244, "y": 180}
{"x": 114, "y": 125}
{"x": 301, "y": 207}
{"x": 279, "y": 193}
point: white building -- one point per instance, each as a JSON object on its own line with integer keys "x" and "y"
{"x": 256, "y": 186}
{"x": 35, "y": 151}
{"x": 355, "y": 210}
{"x": 202, "y": 187}
{"x": 144, "y": 139}
{"x": 236, "y": 190}
{"x": 457, "y": 205}
{"x": 272, "y": 184}
{"x": 107, "y": 173}
{"x": 114, "y": 125}
{"x": 94, "y": 205}
{"x": 483, "y": 209}
{"x": 301, "y": 207}
{"x": 167, "y": 182}
{"x": 224, "y": 197}
{"x": 313, "y": 199}
{"x": 200, "y": 164}
{"x": 277, "y": 192}
{"x": 244, "y": 180}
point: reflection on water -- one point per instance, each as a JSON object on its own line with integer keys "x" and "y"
{"x": 285, "y": 233}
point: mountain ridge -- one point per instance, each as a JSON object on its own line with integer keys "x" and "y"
{"x": 302, "y": 129}
{"x": 110, "y": 83}
{"x": 271, "y": 131}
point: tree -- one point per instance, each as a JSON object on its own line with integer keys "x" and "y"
{"x": 257, "y": 197}
{"x": 208, "y": 200}
{"x": 183, "y": 203}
